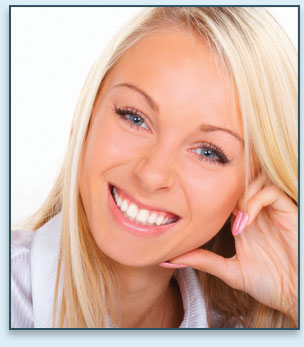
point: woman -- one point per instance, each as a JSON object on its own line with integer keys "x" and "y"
{"x": 176, "y": 205}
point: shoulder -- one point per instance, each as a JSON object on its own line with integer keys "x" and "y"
{"x": 21, "y": 291}
{"x": 21, "y": 243}
{"x": 34, "y": 257}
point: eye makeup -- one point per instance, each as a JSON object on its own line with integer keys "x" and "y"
{"x": 133, "y": 117}
{"x": 206, "y": 151}
{"x": 211, "y": 153}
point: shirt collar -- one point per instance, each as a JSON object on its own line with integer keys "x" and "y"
{"x": 44, "y": 263}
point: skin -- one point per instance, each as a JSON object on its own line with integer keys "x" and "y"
{"x": 266, "y": 248}
{"x": 157, "y": 165}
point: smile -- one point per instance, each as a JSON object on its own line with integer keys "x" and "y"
{"x": 139, "y": 218}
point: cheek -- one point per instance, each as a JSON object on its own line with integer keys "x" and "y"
{"x": 213, "y": 195}
{"x": 101, "y": 152}
{"x": 107, "y": 146}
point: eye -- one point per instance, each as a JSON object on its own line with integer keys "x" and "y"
{"x": 132, "y": 117}
{"x": 211, "y": 153}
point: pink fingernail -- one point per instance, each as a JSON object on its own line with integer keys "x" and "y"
{"x": 171, "y": 266}
{"x": 236, "y": 223}
{"x": 243, "y": 223}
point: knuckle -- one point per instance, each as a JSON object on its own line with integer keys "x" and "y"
{"x": 272, "y": 189}
{"x": 253, "y": 202}
{"x": 241, "y": 202}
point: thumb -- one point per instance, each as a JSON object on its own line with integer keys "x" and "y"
{"x": 226, "y": 269}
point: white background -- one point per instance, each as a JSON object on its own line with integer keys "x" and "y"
{"x": 53, "y": 49}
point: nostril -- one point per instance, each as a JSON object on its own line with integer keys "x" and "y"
{"x": 154, "y": 173}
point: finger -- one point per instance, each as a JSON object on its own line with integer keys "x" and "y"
{"x": 227, "y": 269}
{"x": 240, "y": 223}
{"x": 270, "y": 195}
{"x": 256, "y": 185}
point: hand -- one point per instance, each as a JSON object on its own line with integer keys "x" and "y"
{"x": 266, "y": 261}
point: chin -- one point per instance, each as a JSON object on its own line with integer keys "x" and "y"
{"x": 131, "y": 259}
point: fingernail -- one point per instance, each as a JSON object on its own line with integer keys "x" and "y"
{"x": 243, "y": 223}
{"x": 236, "y": 223}
{"x": 172, "y": 266}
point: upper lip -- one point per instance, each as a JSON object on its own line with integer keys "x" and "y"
{"x": 141, "y": 205}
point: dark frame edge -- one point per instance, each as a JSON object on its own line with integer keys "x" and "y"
{"x": 9, "y": 134}
{"x": 299, "y": 151}
{"x": 299, "y": 171}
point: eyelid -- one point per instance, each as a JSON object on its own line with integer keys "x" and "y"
{"x": 223, "y": 159}
{"x": 123, "y": 110}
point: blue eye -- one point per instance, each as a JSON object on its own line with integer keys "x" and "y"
{"x": 136, "y": 120}
{"x": 133, "y": 117}
{"x": 211, "y": 153}
{"x": 208, "y": 153}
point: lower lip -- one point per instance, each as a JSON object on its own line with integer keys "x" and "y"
{"x": 132, "y": 227}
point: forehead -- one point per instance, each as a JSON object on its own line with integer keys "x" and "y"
{"x": 178, "y": 70}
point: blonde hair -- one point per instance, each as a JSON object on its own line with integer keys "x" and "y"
{"x": 262, "y": 63}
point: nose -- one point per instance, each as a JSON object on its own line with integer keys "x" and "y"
{"x": 155, "y": 169}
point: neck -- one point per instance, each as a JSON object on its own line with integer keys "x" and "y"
{"x": 149, "y": 298}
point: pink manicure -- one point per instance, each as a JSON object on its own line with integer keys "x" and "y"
{"x": 236, "y": 223}
{"x": 243, "y": 223}
{"x": 172, "y": 266}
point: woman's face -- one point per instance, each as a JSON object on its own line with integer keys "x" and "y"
{"x": 166, "y": 133}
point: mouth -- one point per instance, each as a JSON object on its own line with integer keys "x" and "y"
{"x": 138, "y": 218}
{"x": 140, "y": 213}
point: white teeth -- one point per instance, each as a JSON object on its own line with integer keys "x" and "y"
{"x": 142, "y": 216}
{"x": 132, "y": 211}
{"x": 124, "y": 206}
{"x": 117, "y": 198}
{"x": 152, "y": 218}
{"x": 159, "y": 220}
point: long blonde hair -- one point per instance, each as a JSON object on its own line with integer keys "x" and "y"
{"x": 262, "y": 63}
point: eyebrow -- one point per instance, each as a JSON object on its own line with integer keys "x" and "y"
{"x": 210, "y": 128}
{"x": 204, "y": 127}
{"x": 150, "y": 101}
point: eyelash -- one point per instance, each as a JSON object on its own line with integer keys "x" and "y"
{"x": 222, "y": 158}
{"x": 123, "y": 111}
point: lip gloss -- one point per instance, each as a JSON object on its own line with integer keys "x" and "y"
{"x": 133, "y": 227}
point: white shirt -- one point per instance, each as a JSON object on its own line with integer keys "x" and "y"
{"x": 33, "y": 278}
